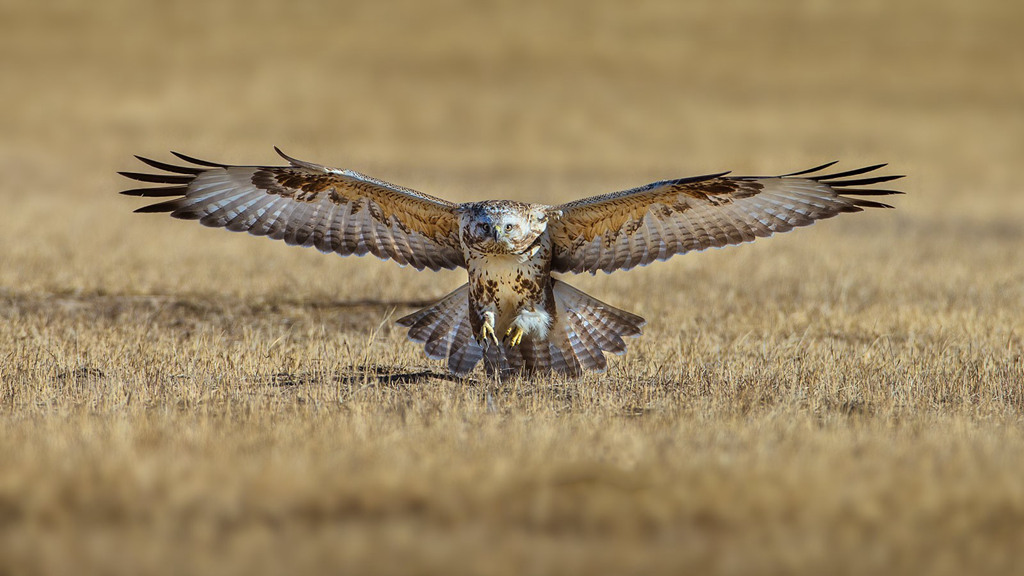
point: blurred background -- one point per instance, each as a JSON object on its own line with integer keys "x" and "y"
{"x": 538, "y": 101}
{"x": 857, "y": 381}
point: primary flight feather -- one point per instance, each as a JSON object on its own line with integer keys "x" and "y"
{"x": 512, "y": 313}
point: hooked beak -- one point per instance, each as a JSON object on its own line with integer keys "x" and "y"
{"x": 501, "y": 238}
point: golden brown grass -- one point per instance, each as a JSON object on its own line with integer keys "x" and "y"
{"x": 842, "y": 399}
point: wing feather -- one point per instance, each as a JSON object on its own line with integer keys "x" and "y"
{"x": 635, "y": 227}
{"x": 279, "y": 226}
{"x": 307, "y": 204}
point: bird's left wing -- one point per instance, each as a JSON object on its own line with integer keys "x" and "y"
{"x": 306, "y": 204}
{"x": 654, "y": 222}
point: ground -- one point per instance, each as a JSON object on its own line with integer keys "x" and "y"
{"x": 846, "y": 398}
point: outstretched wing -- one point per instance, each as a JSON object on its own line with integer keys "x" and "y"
{"x": 655, "y": 222}
{"x": 307, "y": 204}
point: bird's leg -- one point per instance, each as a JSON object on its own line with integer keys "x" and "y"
{"x": 487, "y": 330}
{"x": 514, "y": 335}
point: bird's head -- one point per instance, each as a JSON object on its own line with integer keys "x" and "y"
{"x": 504, "y": 226}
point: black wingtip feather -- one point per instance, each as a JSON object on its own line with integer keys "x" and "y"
{"x": 693, "y": 179}
{"x": 292, "y": 161}
{"x": 810, "y": 170}
{"x": 300, "y": 163}
{"x": 861, "y": 181}
{"x": 868, "y": 203}
{"x": 199, "y": 162}
{"x": 158, "y": 178}
{"x": 851, "y": 186}
{"x": 159, "y": 207}
{"x": 156, "y": 192}
{"x": 867, "y": 191}
{"x": 854, "y": 172}
{"x": 170, "y": 167}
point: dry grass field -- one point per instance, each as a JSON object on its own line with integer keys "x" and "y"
{"x": 842, "y": 399}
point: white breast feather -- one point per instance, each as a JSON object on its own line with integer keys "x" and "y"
{"x": 534, "y": 323}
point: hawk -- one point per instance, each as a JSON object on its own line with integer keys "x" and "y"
{"x": 512, "y": 314}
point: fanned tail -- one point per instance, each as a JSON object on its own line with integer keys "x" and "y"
{"x": 445, "y": 331}
{"x": 584, "y": 328}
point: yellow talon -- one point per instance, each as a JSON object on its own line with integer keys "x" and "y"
{"x": 487, "y": 330}
{"x": 516, "y": 337}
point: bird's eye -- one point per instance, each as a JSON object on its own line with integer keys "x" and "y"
{"x": 485, "y": 227}
{"x": 508, "y": 227}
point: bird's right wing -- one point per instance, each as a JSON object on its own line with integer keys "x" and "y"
{"x": 306, "y": 204}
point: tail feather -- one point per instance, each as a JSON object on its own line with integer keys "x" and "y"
{"x": 501, "y": 359}
{"x": 590, "y": 329}
{"x": 584, "y": 343}
{"x": 604, "y": 333}
{"x": 433, "y": 326}
{"x": 531, "y": 352}
{"x": 563, "y": 359}
{"x": 420, "y": 323}
{"x": 531, "y": 355}
{"x": 440, "y": 340}
{"x": 465, "y": 352}
{"x": 445, "y": 331}
{"x": 606, "y": 324}
{"x": 567, "y": 345}
{"x": 584, "y": 329}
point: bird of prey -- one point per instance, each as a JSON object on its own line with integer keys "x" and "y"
{"x": 512, "y": 314}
